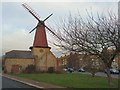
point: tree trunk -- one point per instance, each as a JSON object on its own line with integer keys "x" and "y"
{"x": 109, "y": 78}
{"x": 93, "y": 74}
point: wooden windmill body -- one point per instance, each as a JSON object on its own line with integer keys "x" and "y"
{"x": 43, "y": 57}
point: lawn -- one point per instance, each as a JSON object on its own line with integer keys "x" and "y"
{"x": 71, "y": 80}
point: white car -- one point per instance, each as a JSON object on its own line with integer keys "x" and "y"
{"x": 114, "y": 71}
{"x": 81, "y": 70}
{"x": 65, "y": 69}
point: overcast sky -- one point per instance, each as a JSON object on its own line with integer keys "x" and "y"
{"x": 17, "y": 22}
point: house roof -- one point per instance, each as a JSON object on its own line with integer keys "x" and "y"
{"x": 19, "y": 54}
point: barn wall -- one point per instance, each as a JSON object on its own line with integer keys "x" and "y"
{"x": 22, "y": 62}
{"x": 44, "y": 58}
{"x": 52, "y": 60}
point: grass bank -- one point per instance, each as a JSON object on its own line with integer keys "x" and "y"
{"x": 71, "y": 80}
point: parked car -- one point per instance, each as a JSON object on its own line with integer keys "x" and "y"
{"x": 113, "y": 71}
{"x": 81, "y": 70}
{"x": 70, "y": 70}
{"x": 65, "y": 69}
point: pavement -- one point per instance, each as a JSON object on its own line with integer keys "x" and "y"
{"x": 102, "y": 74}
{"x": 0, "y": 82}
{"x": 35, "y": 84}
{"x": 12, "y": 84}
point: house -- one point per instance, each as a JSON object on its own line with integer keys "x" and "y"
{"x": 116, "y": 62}
{"x": 71, "y": 60}
{"x": 79, "y": 60}
{"x": 17, "y": 60}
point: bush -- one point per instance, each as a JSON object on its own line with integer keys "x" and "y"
{"x": 30, "y": 69}
{"x": 51, "y": 69}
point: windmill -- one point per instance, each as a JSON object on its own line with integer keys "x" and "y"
{"x": 43, "y": 57}
{"x": 40, "y": 36}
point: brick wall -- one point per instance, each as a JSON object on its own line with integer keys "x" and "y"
{"x": 9, "y": 62}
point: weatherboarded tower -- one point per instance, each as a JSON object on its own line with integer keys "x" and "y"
{"x": 43, "y": 57}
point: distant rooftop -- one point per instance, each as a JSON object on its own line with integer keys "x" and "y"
{"x": 19, "y": 54}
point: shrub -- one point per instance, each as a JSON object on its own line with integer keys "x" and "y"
{"x": 51, "y": 69}
{"x": 30, "y": 69}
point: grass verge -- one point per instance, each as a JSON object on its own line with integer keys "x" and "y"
{"x": 71, "y": 80}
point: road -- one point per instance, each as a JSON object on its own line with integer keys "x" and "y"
{"x": 0, "y": 82}
{"x": 102, "y": 74}
{"x": 8, "y": 83}
{"x": 112, "y": 75}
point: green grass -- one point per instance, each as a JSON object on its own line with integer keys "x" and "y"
{"x": 71, "y": 80}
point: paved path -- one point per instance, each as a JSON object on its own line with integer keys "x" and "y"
{"x": 39, "y": 85}
{"x": 8, "y": 83}
{"x": 0, "y": 82}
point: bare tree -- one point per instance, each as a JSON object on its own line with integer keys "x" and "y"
{"x": 93, "y": 65}
{"x": 95, "y": 36}
{"x": 73, "y": 60}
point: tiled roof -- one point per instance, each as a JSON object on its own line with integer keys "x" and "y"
{"x": 19, "y": 54}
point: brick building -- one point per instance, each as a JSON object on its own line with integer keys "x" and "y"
{"x": 17, "y": 60}
{"x": 79, "y": 60}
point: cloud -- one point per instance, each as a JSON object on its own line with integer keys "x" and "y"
{"x": 0, "y": 28}
{"x": 60, "y": 0}
{"x": 20, "y": 39}
{"x": 17, "y": 21}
